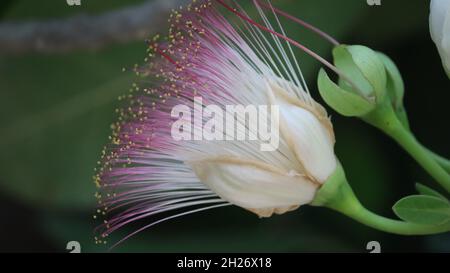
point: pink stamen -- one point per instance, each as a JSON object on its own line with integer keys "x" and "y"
{"x": 164, "y": 55}
{"x": 299, "y": 21}
{"x": 290, "y": 40}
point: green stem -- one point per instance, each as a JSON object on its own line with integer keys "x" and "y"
{"x": 416, "y": 150}
{"x": 403, "y": 118}
{"x": 337, "y": 194}
{"x": 364, "y": 216}
{"x": 385, "y": 119}
{"x": 444, "y": 162}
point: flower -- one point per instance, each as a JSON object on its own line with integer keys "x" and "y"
{"x": 440, "y": 29}
{"x": 145, "y": 171}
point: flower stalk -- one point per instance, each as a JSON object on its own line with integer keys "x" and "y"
{"x": 385, "y": 119}
{"x": 337, "y": 194}
{"x": 444, "y": 162}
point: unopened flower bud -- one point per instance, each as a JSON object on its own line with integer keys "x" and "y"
{"x": 362, "y": 84}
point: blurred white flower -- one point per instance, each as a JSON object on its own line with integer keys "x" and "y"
{"x": 440, "y": 29}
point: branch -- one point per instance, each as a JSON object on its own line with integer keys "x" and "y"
{"x": 84, "y": 31}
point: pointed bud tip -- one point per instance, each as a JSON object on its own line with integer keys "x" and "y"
{"x": 364, "y": 68}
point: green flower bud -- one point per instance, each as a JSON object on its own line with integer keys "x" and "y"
{"x": 362, "y": 84}
{"x": 364, "y": 68}
{"x": 342, "y": 101}
{"x": 395, "y": 88}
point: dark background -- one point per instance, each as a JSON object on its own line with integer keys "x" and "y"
{"x": 56, "y": 110}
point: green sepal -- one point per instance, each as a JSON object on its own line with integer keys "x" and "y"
{"x": 364, "y": 68}
{"x": 395, "y": 86}
{"x": 344, "y": 102}
{"x": 336, "y": 193}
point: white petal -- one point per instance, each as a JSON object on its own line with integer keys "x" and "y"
{"x": 438, "y": 14}
{"x": 440, "y": 29}
{"x": 445, "y": 45}
{"x": 309, "y": 133}
{"x": 255, "y": 186}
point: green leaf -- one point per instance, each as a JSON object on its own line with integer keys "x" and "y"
{"x": 425, "y": 190}
{"x": 423, "y": 209}
{"x": 344, "y": 102}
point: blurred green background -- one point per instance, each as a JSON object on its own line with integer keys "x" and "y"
{"x": 56, "y": 110}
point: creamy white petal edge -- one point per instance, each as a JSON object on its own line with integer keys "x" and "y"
{"x": 308, "y": 131}
{"x": 256, "y": 186}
